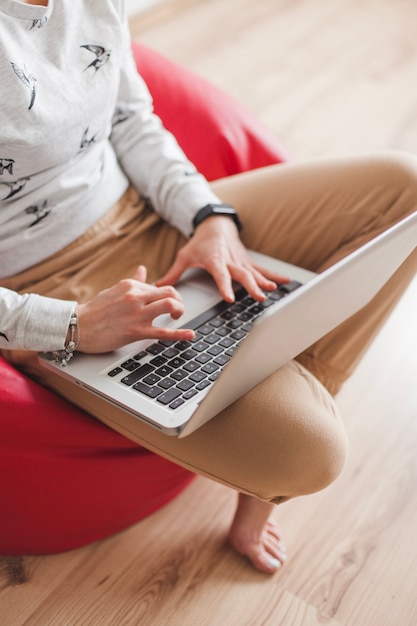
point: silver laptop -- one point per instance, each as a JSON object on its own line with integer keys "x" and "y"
{"x": 178, "y": 386}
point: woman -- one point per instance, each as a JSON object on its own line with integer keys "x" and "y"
{"x": 99, "y": 199}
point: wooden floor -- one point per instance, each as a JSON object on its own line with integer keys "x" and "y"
{"x": 328, "y": 77}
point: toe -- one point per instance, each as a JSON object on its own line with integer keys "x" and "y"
{"x": 272, "y": 528}
{"x": 264, "y": 561}
{"x": 268, "y": 554}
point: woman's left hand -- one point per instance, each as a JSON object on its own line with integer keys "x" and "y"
{"x": 217, "y": 248}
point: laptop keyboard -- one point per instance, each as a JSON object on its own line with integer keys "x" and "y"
{"x": 173, "y": 372}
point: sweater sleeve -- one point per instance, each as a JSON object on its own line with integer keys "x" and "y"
{"x": 151, "y": 156}
{"x": 33, "y": 322}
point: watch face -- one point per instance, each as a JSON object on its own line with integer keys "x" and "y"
{"x": 223, "y": 211}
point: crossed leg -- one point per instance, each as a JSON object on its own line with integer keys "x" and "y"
{"x": 285, "y": 437}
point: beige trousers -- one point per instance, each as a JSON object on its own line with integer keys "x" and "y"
{"x": 285, "y": 437}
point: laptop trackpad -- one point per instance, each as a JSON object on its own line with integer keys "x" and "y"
{"x": 198, "y": 291}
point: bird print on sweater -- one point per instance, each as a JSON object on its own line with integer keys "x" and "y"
{"x": 28, "y": 80}
{"x": 101, "y": 56}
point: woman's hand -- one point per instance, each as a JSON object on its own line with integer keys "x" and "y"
{"x": 217, "y": 248}
{"x": 125, "y": 312}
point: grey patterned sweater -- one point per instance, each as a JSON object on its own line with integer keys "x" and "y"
{"x": 77, "y": 127}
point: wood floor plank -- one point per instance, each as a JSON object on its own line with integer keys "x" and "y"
{"x": 326, "y": 77}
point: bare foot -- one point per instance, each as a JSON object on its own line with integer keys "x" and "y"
{"x": 256, "y": 536}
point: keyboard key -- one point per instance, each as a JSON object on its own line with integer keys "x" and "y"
{"x": 200, "y": 346}
{"x": 240, "y": 294}
{"x": 191, "y": 366}
{"x": 155, "y": 348}
{"x": 182, "y": 345}
{"x": 185, "y": 384}
{"x": 176, "y": 363}
{"x": 221, "y": 360}
{"x": 164, "y": 371}
{"x": 238, "y": 308}
{"x": 114, "y": 372}
{"x": 188, "y": 354}
{"x": 158, "y": 361}
{"x": 196, "y": 377}
{"x": 167, "y": 342}
{"x": 203, "y": 384}
{"x": 226, "y": 342}
{"x": 151, "y": 392}
{"x": 151, "y": 379}
{"x": 133, "y": 377}
{"x": 222, "y": 331}
{"x": 289, "y": 287}
{"x": 169, "y": 396}
{"x": 167, "y": 383}
{"x": 247, "y": 327}
{"x": 215, "y": 350}
{"x": 189, "y": 394}
{"x": 179, "y": 374}
{"x": 216, "y": 322}
{"x": 140, "y": 355}
{"x": 178, "y": 402}
{"x": 209, "y": 368}
{"x": 276, "y": 295}
{"x": 256, "y": 309}
{"x": 202, "y": 358}
{"x": 130, "y": 365}
{"x": 235, "y": 323}
{"x": 171, "y": 353}
{"x": 205, "y": 329}
{"x": 211, "y": 339}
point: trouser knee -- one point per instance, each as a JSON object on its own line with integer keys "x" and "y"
{"x": 398, "y": 172}
{"x": 304, "y": 444}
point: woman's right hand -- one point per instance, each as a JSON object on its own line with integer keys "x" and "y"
{"x": 125, "y": 312}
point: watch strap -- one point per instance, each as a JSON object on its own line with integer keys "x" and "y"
{"x": 221, "y": 210}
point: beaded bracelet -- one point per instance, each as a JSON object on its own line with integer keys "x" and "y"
{"x": 65, "y": 355}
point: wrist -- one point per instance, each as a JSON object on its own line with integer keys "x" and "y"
{"x": 216, "y": 210}
{"x": 72, "y": 340}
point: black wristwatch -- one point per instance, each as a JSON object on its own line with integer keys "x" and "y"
{"x": 216, "y": 209}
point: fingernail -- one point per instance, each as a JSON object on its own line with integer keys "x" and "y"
{"x": 274, "y": 563}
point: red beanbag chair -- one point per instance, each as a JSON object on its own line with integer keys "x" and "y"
{"x": 65, "y": 478}
{"x": 217, "y": 134}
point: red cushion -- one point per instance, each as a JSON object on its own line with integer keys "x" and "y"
{"x": 66, "y": 479}
{"x": 218, "y": 134}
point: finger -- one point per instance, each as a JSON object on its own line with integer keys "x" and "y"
{"x": 172, "y": 334}
{"x": 256, "y": 280}
{"x": 156, "y": 294}
{"x": 248, "y": 278}
{"x": 172, "y": 276}
{"x": 164, "y": 306}
{"x": 271, "y": 275}
{"x": 223, "y": 280}
{"x": 140, "y": 274}
{"x": 267, "y": 284}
